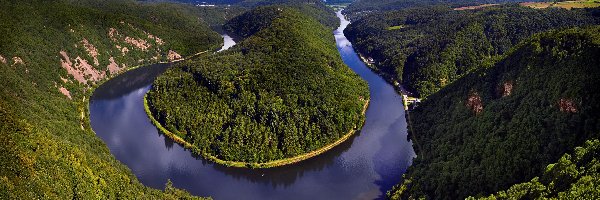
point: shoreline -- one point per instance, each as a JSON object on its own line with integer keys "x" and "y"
{"x": 270, "y": 164}
{"x": 85, "y": 121}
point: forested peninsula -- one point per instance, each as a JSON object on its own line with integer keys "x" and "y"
{"x": 503, "y": 125}
{"x": 281, "y": 93}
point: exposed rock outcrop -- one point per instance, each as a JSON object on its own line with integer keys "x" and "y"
{"x": 81, "y": 70}
{"x": 474, "y": 102}
{"x": 173, "y": 55}
{"x": 567, "y": 105}
{"x": 112, "y": 34}
{"x": 2, "y": 60}
{"x": 92, "y": 51}
{"x": 65, "y": 92}
{"x": 138, "y": 43}
{"x": 505, "y": 89}
{"x": 113, "y": 67}
{"x": 18, "y": 61}
{"x": 157, "y": 39}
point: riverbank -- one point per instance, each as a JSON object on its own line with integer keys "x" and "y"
{"x": 270, "y": 164}
{"x": 404, "y": 94}
{"x": 85, "y": 111}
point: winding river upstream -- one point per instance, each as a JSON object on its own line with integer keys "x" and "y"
{"x": 363, "y": 167}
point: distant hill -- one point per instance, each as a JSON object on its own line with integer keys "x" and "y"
{"x": 281, "y": 92}
{"x": 427, "y": 48}
{"x": 500, "y": 126}
{"x": 387, "y": 5}
{"x": 314, "y": 8}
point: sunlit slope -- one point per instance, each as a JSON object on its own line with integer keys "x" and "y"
{"x": 52, "y": 54}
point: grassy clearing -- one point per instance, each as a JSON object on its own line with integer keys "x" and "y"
{"x": 475, "y": 7}
{"x": 565, "y": 4}
{"x": 396, "y": 27}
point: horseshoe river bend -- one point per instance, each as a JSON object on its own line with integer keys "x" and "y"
{"x": 363, "y": 167}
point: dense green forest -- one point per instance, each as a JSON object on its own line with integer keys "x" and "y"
{"x": 52, "y": 54}
{"x": 218, "y": 15}
{"x": 427, "y": 48}
{"x": 313, "y": 8}
{"x": 500, "y": 126}
{"x": 574, "y": 176}
{"x": 281, "y": 92}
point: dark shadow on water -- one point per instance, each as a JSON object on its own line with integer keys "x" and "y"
{"x": 389, "y": 178}
{"x": 129, "y": 82}
{"x": 168, "y": 141}
{"x": 283, "y": 176}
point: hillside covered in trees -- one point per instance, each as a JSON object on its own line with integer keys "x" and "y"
{"x": 429, "y": 47}
{"x": 574, "y": 176}
{"x": 313, "y": 8}
{"x": 52, "y": 55}
{"x": 500, "y": 126}
{"x": 281, "y": 92}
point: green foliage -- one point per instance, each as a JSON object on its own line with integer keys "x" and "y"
{"x": 48, "y": 149}
{"x": 251, "y": 22}
{"x": 313, "y": 8}
{"x": 536, "y": 103}
{"x": 177, "y": 24}
{"x": 282, "y": 92}
{"x": 574, "y": 176}
{"x": 438, "y": 45}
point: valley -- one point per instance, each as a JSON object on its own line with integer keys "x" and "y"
{"x": 367, "y": 164}
{"x": 299, "y": 99}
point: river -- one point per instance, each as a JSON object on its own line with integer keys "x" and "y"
{"x": 227, "y": 42}
{"x": 363, "y": 167}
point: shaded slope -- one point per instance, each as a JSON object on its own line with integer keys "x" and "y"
{"x": 574, "y": 176}
{"x": 503, "y": 125}
{"x": 427, "y": 48}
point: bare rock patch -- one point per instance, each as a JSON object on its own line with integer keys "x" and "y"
{"x": 65, "y": 92}
{"x": 506, "y": 88}
{"x": 173, "y": 55}
{"x": 18, "y": 61}
{"x": 113, "y": 67}
{"x": 567, "y": 105}
{"x": 474, "y": 102}
{"x": 92, "y": 51}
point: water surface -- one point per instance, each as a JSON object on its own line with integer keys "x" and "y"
{"x": 227, "y": 42}
{"x": 363, "y": 167}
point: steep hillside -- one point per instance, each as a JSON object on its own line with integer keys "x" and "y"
{"x": 282, "y": 92}
{"x": 251, "y": 22}
{"x": 574, "y": 176}
{"x": 175, "y": 14}
{"x": 428, "y": 48}
{"x": 503, "y": 125}
{"x": 52, "y": 54}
